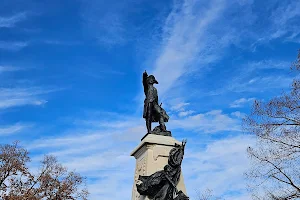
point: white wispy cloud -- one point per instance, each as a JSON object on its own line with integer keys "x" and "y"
{"x": 99, "y": 152}
{"x": 195, "y": 36}
{"x": 259, "y": 83}
{"x": 98, "y": 146}
{"x": 12, "y": 129}
{"x": 13, "y": 46}
{"x": 220, "y": 167}
{"x": 279, "y": 22}
{"x": 12, "y": 97}
{"x": 241, "y": 102}
{"x": 69, "y": 140}
{"x": 179, "y": 106}
{"x": 185, "y": 33}
{"x": 101, "y": 74}
{"x": 11, "y": 21}
{"x": 113, "y": 34}
{"x": 285, "y": 19}
{"x": 238, "y": 114}
{"x": 251, "y": 78}
{"x": 60, "y": 42}
{"x": 267, "y": 64}
{"x": 7, "y": 103}
{"x": 110, "y": 21}
{"x": 9, "y": 69}
{"x": 210, "y": 122}
{"x": 185, "y": 113}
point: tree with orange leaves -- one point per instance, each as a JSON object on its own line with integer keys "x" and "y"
{"x": 52, "y": 181}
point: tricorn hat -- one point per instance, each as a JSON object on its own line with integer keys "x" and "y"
{"x": 151, "y": 79}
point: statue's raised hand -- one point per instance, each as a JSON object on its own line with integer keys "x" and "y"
{"x": 145, "y": 73}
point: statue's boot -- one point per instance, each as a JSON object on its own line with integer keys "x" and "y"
{"x": 148, "y": 124}
{"x": 163, "y": 127}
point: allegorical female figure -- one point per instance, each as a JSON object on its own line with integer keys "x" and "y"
{"x": 153, "y": 112}
{"x": 162, "y": 184}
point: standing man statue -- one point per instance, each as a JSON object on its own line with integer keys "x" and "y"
{"x": 153, "y": 112}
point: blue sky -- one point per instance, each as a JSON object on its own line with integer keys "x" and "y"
{"x": 71, "y": 82}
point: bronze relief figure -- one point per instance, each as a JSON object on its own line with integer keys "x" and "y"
{"x": 162, "y": 185}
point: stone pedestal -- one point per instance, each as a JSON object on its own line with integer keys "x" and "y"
{"x": 151, "y": 156}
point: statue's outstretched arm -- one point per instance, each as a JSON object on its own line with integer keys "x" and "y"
{"x": 145, "y": 84}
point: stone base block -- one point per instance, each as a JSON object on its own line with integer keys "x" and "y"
{"x": 151, "y": 156}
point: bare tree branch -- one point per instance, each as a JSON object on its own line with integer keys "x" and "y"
{"x": 276, "y": 157}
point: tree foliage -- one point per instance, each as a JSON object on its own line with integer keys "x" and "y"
{"x": 276, "y": 156}
{"x": 51, "y": 180}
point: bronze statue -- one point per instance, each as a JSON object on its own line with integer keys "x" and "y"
{"x": 162, "y": 184}
{"x": 153, "y": 112}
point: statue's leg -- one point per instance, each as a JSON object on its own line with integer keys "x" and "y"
{"x": 149, "y": 117}
{"x": 162, "y": 124}
{"x": 161, "y": 118}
